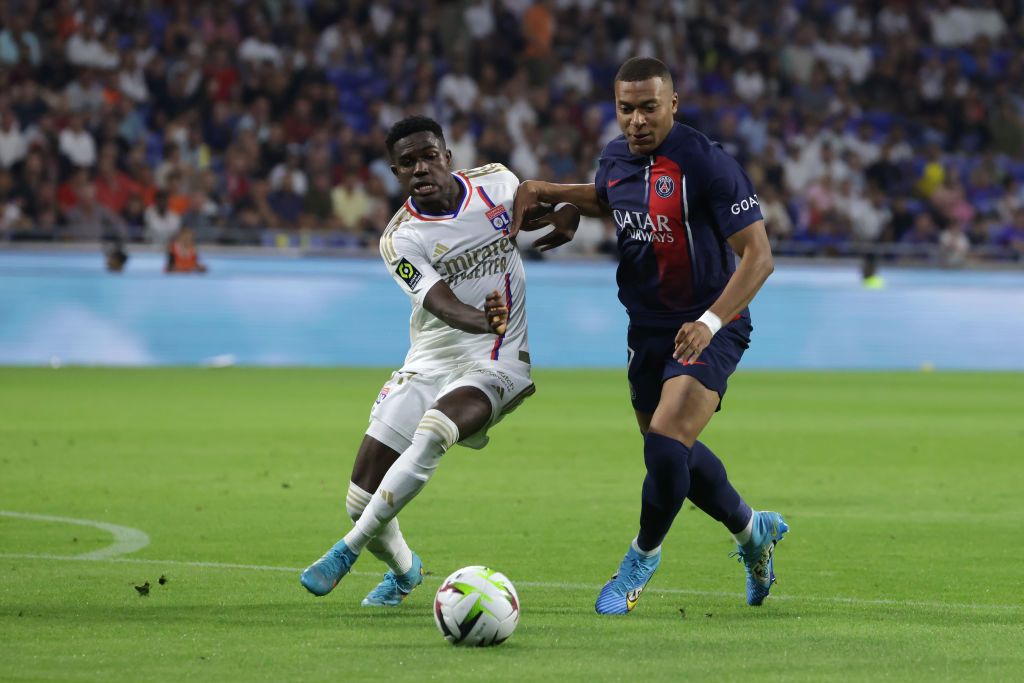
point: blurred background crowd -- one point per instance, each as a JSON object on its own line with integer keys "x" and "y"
{"x": 867, "y": 126}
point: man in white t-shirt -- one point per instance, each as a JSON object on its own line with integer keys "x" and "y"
{"x": 468, "y": 364}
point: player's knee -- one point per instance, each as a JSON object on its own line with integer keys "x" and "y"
{"x": 437, "y": 429}
{"x": 706, "y": 465}
{"x": 681, "y": 430}
{"x": 665, "y": 457}
{"x": 356, "y": 501}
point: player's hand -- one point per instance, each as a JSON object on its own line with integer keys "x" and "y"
{"x": 525, "y": 206}
{"x": 496, "y": 312}
{"x": 691, "y": 340}
{"x": 565, "y": 221}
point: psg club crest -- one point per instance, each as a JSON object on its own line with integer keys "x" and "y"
{"x": 664, "y": 186}
{"x": 498, "y": 216}
{"x": 383, "y": 395}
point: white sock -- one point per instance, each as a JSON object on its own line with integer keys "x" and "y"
{"x": 389, "y": 546}
{"x": 406, "y": 478}
{"x": 646, "y": 553}
{"x": 744, "y": 536}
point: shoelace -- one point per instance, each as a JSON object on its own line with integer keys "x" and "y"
{"x": 388, "y": 585}
{"x": 637, "y": 571}
{"x": 760, "y": 566}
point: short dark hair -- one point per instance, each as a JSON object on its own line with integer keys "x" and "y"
{"x": 643, "y": 68}
{"x": 410, "y": 125}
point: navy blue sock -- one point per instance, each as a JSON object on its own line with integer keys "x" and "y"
{"x": 711, "y": 491}
{"x": 665, "y": 487}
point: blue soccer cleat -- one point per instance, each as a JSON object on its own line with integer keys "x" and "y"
{"x": 396, "y": 587}
{"x": 322, "y": 576}
{"x": 621, "y": 593}
{"x": 757, "y": 555}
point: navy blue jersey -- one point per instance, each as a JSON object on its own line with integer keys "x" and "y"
{"x": 673, "y": 211}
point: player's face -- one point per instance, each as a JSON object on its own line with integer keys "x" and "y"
{"x": 423, "y": 167}
{"x": 645, "y": 110}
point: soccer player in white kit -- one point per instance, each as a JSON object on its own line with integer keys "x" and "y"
{"x": 468, "y": 364}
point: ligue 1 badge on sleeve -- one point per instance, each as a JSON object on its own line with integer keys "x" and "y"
{"x": 664, "y": 186}
{"x": 408, "y": 273}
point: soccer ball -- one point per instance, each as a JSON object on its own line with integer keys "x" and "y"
{"x": 476, "y": 606}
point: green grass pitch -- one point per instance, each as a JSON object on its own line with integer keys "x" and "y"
{"x": 903, "y": 491}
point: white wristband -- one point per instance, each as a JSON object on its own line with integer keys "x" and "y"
{"x": 713, "y": 322}
{"x": 561, "y": 204}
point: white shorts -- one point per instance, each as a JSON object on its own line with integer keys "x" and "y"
{"x": 408, "y": 395}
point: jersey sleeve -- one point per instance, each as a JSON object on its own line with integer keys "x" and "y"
{"x": 730, "y": 193}
{"x": 409, "y": 265}
{"x": 601, "y": 181}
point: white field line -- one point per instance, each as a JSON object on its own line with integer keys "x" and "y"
{"x": 127, "y": 540}
{"x": 837, "y": 600}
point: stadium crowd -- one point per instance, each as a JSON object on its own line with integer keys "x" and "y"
{"x": 861, "y": 123}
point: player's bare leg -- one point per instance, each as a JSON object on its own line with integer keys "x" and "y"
{"x": 405, "y": 568}
{"x": 463, "y": 411}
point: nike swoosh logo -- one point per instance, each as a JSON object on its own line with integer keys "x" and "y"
{"x": 613, "y": 183}
{"x": 632, "y": 597}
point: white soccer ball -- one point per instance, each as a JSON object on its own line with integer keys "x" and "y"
{"x": 476, "y": 606}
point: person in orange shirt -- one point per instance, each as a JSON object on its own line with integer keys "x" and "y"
{"x": 177, "y": 199}
{"x": 182, "y": 255}
{"x": 539, "y": 31}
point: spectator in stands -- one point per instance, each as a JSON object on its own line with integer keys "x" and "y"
{"x": 254, "y": 211}
{"x": 18, "y": 44}
{"x": 1011, "y": 200}
{"x": 13, "y": 144}
{"x": 115, "y": 257}
{"x": 804, "y": 89}
{"x": 1012, "y": 236}
{"x": 776, "y": 216}
{"x": 76, "y": 144}
{"x": 317, "y": 206}
{"x": 134, "y": 215}
{"x": 290, "y": 172}
{"x": 286, "y": 202}
{"x": 954, "y": 246}
{"x": 949, "y": 201}
{"x": 88, "y": 220}
{"x": 924, "y": 230}
{"x": 113, "y": 188}
{"x": 182, "y": 254}
{"x": 457, "y": 88}
{"x": 352, "y": 203}
{"x": 162, "y": 224}
{"x": 933, "y": 174}
{"x": 539, "y": 34}
{"x": 461, "y": 143}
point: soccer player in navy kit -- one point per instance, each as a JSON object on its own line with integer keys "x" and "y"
{"x": 682, "y": 208}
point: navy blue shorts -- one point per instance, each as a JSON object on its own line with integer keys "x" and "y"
{"x": 651, "y": 361}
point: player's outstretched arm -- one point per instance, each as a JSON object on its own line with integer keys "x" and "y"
{"x": 535, "y": 193}
{"x": 444, "y": 305}
{"x": 752, "y": 246}
{"x": 564, "y": 222}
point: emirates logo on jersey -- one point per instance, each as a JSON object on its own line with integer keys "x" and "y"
{"x": 664, "y": 186}
{"x": 498, "y": 216}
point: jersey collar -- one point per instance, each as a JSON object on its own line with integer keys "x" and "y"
{"x": 465, "y": 195}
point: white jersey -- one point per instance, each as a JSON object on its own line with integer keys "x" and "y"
{"x": 470, "y": 250}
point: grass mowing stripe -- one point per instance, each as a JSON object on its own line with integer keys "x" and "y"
{"x": 537, "y": 584}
